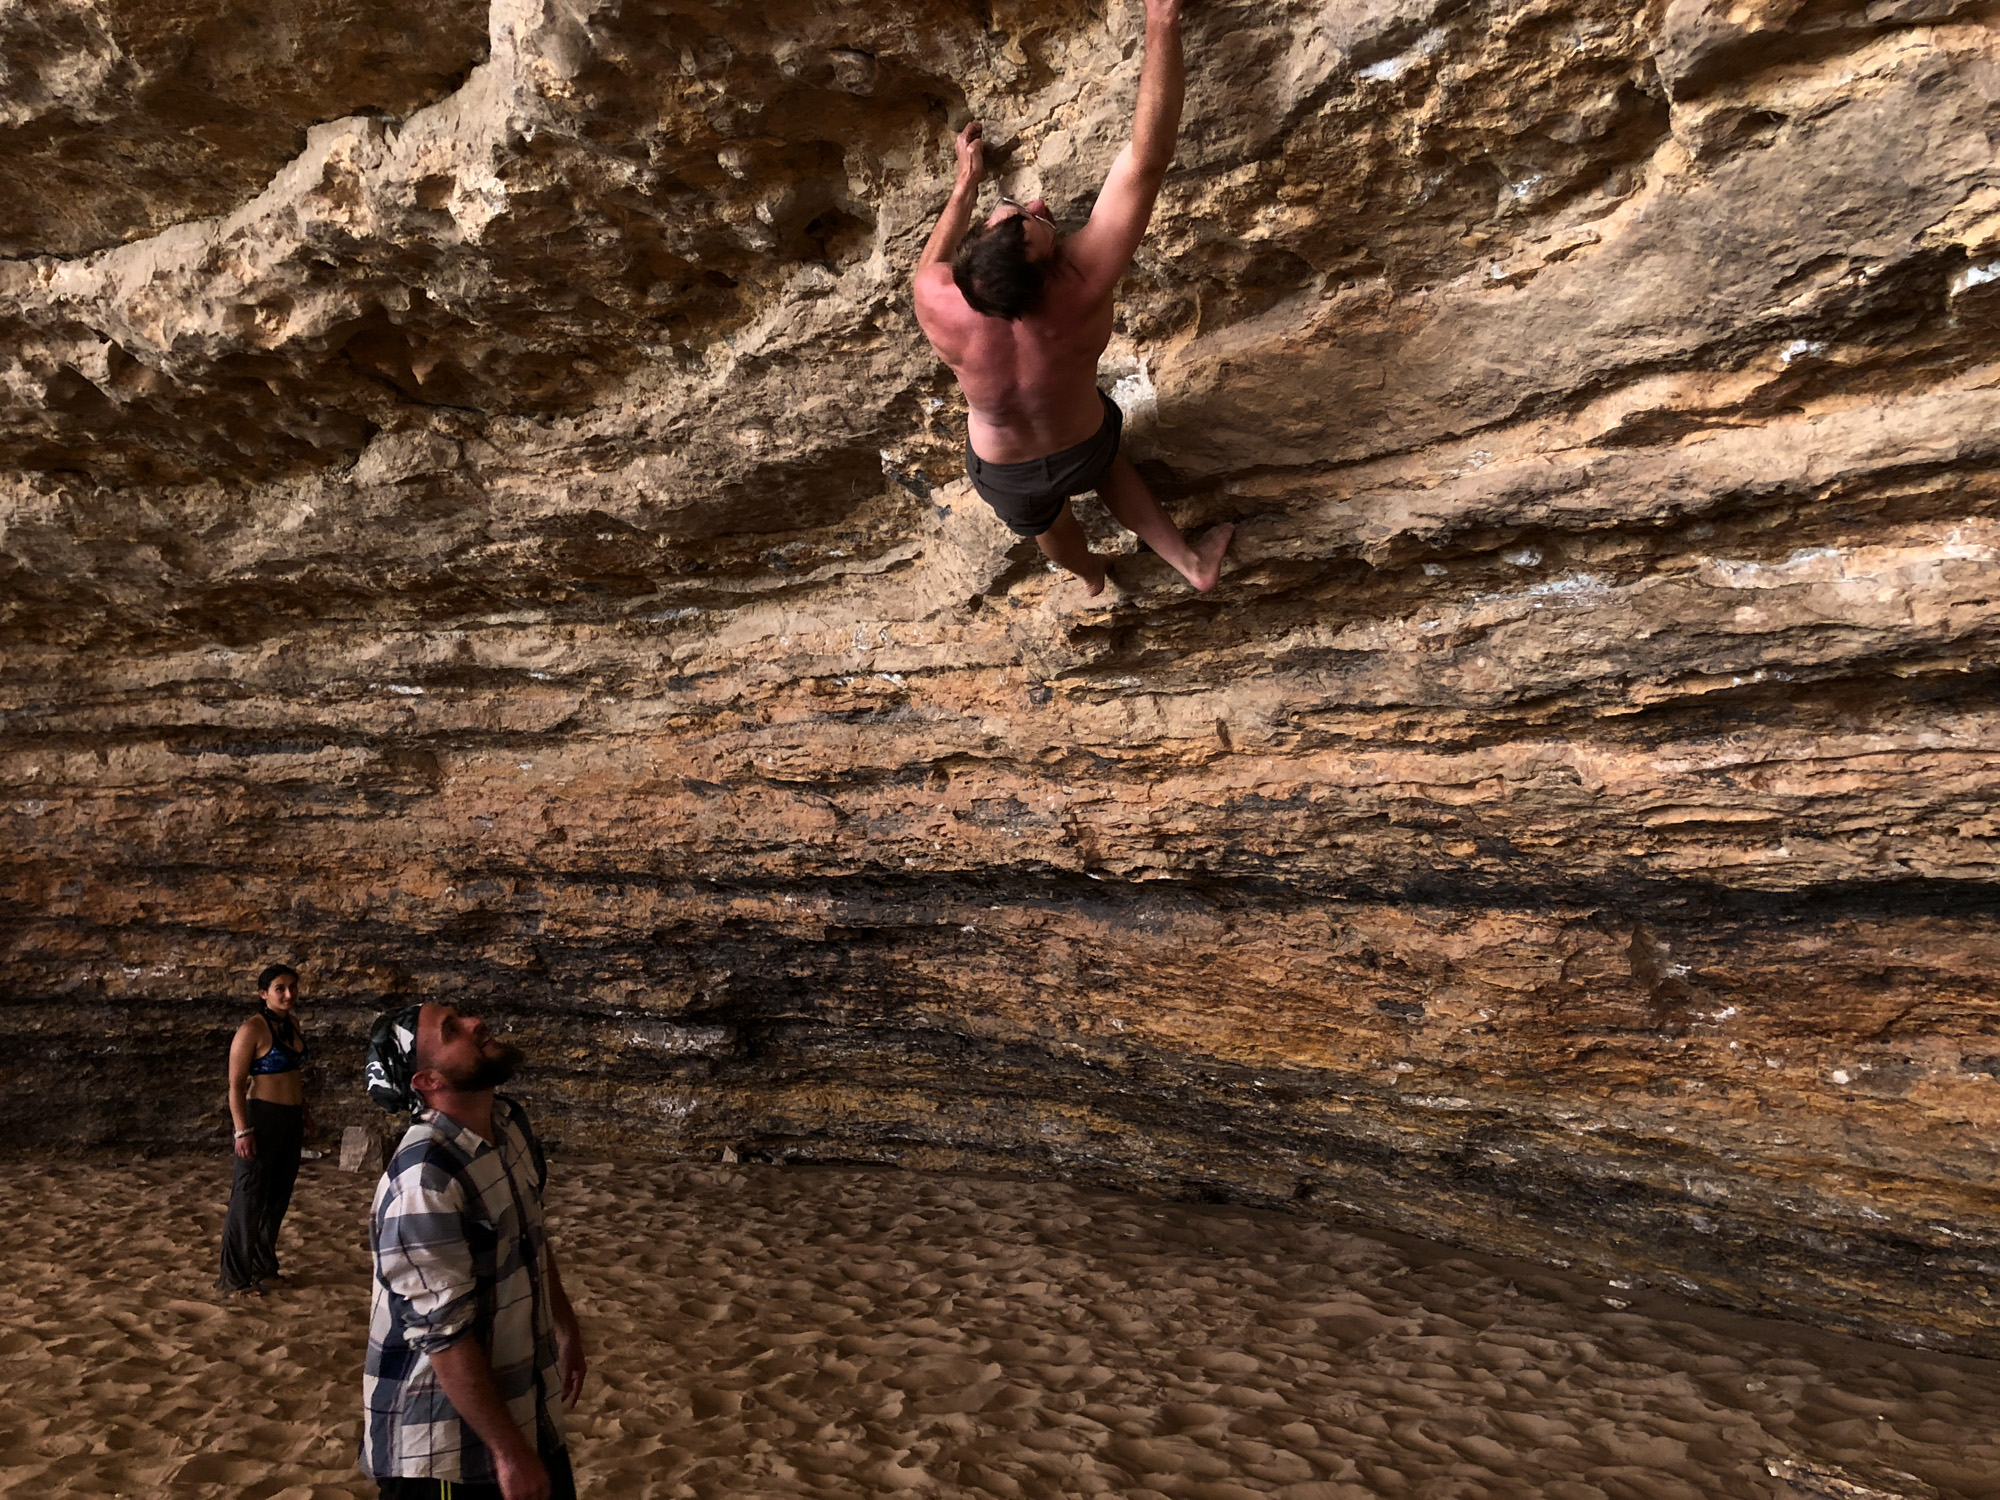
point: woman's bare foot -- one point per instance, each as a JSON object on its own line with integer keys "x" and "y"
{"x": 1093, "y": 581}
{"x": 1208, "y": 552}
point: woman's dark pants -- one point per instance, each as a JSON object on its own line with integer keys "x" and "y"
{"x": 260, "y": 1195}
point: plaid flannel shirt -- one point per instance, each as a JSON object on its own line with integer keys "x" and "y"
{"x": 459, "y": 1253}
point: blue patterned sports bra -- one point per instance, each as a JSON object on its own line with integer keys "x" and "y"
{"x": 288, "y": 1050}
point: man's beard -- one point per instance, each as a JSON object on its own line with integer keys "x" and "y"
{"x": 493, "y": 1069}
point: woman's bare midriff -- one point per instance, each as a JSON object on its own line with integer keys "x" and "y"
{"x": 278, "y": 1088}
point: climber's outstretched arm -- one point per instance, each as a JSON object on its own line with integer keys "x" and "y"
{"x": 957, "y": 215}
{"x": 1103, "y": 248}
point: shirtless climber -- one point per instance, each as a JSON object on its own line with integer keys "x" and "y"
{"x": 1021, "y": 315}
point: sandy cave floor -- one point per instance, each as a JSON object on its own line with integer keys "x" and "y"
{"x": 784, "y": 1331}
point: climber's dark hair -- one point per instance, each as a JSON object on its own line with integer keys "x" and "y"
{"x": 994, "y": 273}
{"x": 273, "y": 974}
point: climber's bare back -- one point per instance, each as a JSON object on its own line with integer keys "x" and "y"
{"x": 1031, "y": 384}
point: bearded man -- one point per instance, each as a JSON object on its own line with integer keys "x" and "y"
{"x": 472, "y": 1341}
{"x": 1021, "y": 314}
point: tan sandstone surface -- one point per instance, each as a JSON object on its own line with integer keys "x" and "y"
{"x": 757, "y": 1331}
{"x": 477, "y": 518}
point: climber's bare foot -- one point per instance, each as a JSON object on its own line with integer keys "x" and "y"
{"x": 1208, "y": 552}
{"x": 1093, "y": 581}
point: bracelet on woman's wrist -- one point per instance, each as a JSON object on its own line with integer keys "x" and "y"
{"x": 241, "y": 1133}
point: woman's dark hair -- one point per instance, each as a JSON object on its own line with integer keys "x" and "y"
{"x": 994, "y": 273}
{"x": 273, "y": 974}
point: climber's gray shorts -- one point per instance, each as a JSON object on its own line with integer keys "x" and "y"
{"x": 1029, "y": 496}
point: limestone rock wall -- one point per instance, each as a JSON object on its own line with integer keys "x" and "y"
{"x": 478, "y": 518}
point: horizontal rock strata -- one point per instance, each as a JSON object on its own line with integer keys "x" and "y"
{"x": 498, "y": 535}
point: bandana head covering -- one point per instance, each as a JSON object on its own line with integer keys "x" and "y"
{"x": 392, "y": 1050}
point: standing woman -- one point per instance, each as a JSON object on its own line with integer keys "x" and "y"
{"x": 267, "y": 1099}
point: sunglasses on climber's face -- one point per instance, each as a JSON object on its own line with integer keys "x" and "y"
{"x": 1044, "y": 216}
